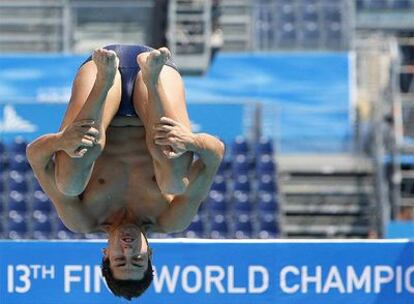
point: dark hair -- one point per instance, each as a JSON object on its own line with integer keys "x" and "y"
{"x": 127, "y": 289}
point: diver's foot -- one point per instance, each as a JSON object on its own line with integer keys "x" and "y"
{"x": 151, "y": 64}
{"x": 107, "y": 63}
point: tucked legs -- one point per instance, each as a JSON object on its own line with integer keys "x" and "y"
{"x": 96, "y": 94}
{"x": 159, "y": 91}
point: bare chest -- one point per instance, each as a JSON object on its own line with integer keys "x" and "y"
{"x": 123, "y": 178}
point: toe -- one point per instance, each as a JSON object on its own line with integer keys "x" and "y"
{"x": 111, "y": 54}
{"x": 95, "y": 55}
{"x": 165, "y": 51}
{"x": 155, "y": 54}
{"x": 141, "y": 58}
{"x": 99, "y": 53}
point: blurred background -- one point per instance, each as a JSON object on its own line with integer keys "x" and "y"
{"x": 314, "y": 99}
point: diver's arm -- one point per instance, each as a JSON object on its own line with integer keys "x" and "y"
{"x": 70, "y": 208}
{"x": 210, "y": 151}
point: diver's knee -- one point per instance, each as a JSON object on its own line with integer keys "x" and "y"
{"x": 69, "y": 188}
{"x": 174, "y": 186}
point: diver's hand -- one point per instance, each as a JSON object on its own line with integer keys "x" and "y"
{"x": 174, "y": 137}
{"x": 78, "y": 137}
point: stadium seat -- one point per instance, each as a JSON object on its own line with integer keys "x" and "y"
{"x": 265, "y": 165}
{"x": 216, "y": 203}
{"x": 311, "y": 34}
{"x": 2, "y": 229}
{"x": 377, "y": 4}
{"x": 2, "y": 188}
{"x": 361, "y": 4}
{"x": 267, "y": 203}
{"x": 286, "y": 6}
{"x": 268, "y": 226}
{"x": 19, "y": 163}
{"x": 285, "y": 13}
{"x": 219, "y": 184}
{"x": 242, "y": 203}
{"x": 4, "y": 164}
{"x": 264, "y": 146}
{"x": 265, "y": 16}
{"x": 18, "y": 146}
{"x": 224, "y": 167}
{"x": 2, "y": 148}
{"x": 239, "y": 146}
{"x": 332, "y": 14}
{"x": 309, "y": 11}
{"x": 17, "y": 227}
{"x": 333, "y": 29}
{"x": 242, "y": 183}
{"x": 260, "y": 12}
{"x": 241, "y": 165}
{"x": 62, "y": 232}
{"x": 334, "y": 35}
{"x": 219, "y": 228}
{"x": 196, "y": 228}
{"x": 17, "y": 182}
{"x": 287, "y": 35}
{"x": 2, "y": 205}
{"x": 41, "y": 202}
{"x": 243, "y": 227}
{"x": 39, "y": 214}
{"x": 36, "y": 186}
{"x": 17, "y": 202}
{"x": 287, "y": 17}
{"x": 266, "y": 183}
{"x": 401, "y": 4}
{"x": 41, "y": 228}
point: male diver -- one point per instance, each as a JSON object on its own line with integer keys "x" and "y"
{"x": 123, "y": 160}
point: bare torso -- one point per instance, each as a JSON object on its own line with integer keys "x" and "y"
{"x": 123, "y": 180}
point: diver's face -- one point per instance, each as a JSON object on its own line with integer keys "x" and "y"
{"x": 128, "y": 252}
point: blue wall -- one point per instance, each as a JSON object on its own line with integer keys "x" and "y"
{"x": 307, "y": 95}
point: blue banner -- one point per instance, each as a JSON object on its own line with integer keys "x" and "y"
{"x": 205, "y": 272}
